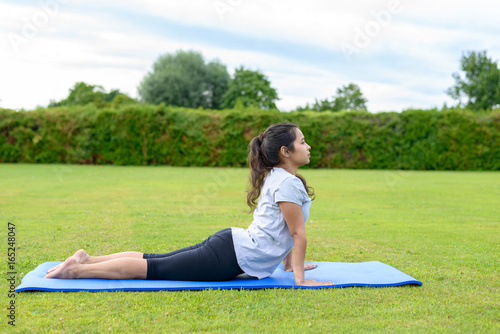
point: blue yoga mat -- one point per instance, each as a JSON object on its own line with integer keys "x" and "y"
{"x": 373, "y": 273}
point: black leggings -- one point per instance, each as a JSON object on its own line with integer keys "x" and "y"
{"x": 212, "y": 260}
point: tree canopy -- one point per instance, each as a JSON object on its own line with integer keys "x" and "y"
{"x": 480, "y": 84}
{"x": 250, "y": 89}
{"x": 83, "y": 94}
{"x": 184, "y": 79}
{"x": 348, "y": 97}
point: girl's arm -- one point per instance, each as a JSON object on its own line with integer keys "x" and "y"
{"x": 295, "y": 220}
{"x": 287, "y": 262}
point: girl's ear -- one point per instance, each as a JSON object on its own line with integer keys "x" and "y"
{"x": 284, "y": 151}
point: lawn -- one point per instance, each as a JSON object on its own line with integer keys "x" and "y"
{"x": 440, "y": 227}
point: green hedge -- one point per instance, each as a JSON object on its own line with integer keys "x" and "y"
{"x": 159, "y": 135}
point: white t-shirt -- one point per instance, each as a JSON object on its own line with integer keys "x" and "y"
{"x": 267, "y": 241}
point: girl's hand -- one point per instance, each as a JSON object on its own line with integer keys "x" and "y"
{"x": 311, "y": 282}
{"x": 306, "y": 267}
{"x": 309, "y": 266}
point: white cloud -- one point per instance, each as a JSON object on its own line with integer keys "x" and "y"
{"x": 408, "y": 63}
{"x": 322, "y": 22}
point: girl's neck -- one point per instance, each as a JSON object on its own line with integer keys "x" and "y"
{"x": 290, "y": 169}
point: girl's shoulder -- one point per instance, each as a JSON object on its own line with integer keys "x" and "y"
{"x": 288, "y": 186}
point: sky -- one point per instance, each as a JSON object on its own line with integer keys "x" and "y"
{"x": 401, "y": 53}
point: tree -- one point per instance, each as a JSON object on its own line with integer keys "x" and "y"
{"x": 82, "y": 94}
{"x": 250, "y": 89}
{"x": 318, "y": 105}
{"x": 480, "y": 84}
{"x": 122, "y": 99}
{"x": 348, "y": 97}
{"x": 184, "y": 79}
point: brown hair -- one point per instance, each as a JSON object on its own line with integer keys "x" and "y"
{"x": 264, "y": 155}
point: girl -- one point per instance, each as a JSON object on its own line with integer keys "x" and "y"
{"x": 278, "y": 225}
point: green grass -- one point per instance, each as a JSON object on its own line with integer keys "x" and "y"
{"x": 439, "y": 227}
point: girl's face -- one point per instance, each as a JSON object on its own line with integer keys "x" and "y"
{"x": 300, "y": 156}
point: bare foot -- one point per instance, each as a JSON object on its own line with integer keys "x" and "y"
{"x": 53, "y": 268}
{"x": 81, "y": 257}
{"x": 68, "y": 269}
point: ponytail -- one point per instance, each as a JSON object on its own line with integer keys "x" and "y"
{"x": 264, "y": 155}
{"x": 258, "y": 170}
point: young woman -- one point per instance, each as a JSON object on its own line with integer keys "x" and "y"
{"x": 278, "y": 225}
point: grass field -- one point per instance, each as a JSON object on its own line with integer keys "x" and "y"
{"x": 440, "y": 227}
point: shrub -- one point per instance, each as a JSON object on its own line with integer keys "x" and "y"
{"x": 140, "y": 134}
